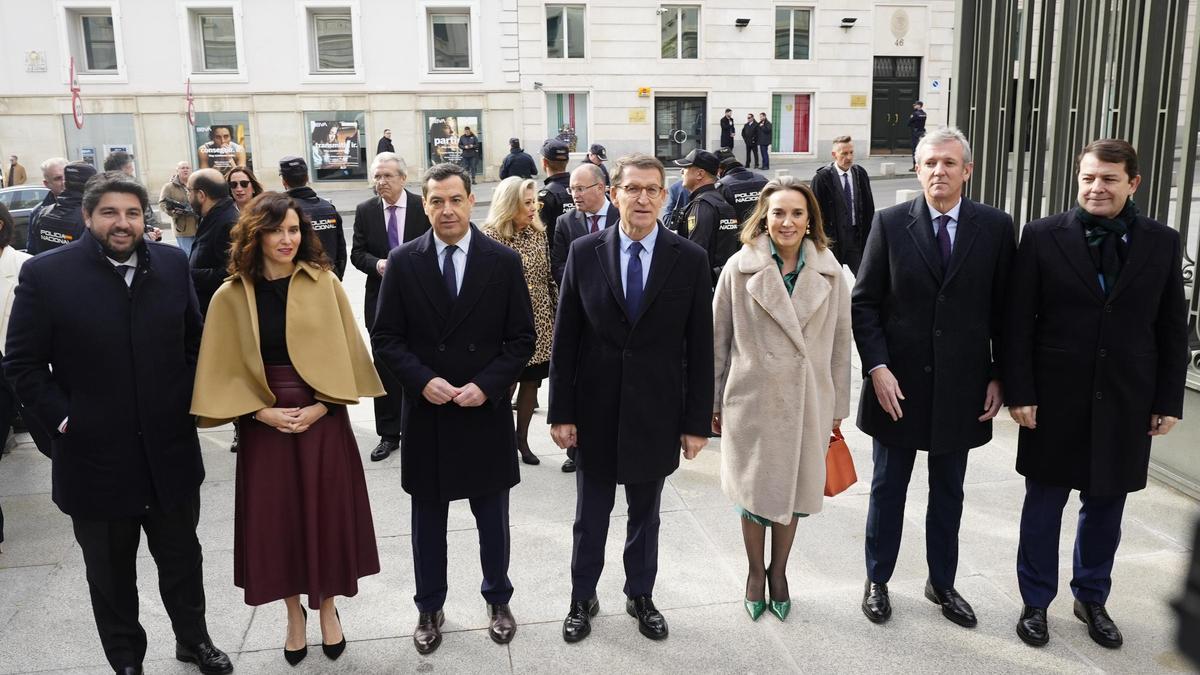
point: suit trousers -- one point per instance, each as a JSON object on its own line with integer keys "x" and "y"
{"x": 429, "y": 549}
{"x": 764, "y": 152}
{"x": 391, "y": 410}
{"x": 110, "y": 556}
{"x": 885, "y": 512}
{"x": 751, "y": 152}
{"x": 593, "y": 506}
{"x": 1097, "y": 535}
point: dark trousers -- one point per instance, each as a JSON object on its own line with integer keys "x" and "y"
{"x": 391, "y": 411}
{"x": 1097, "y": 535}
{"x": 885, "y": 512}
{"x": 593, "y": 506}
{"x": 764, "y": 152}
{"x": 751, "y": 152}
{"x": 110, "y": 555}
{"x": 429, "y": 549}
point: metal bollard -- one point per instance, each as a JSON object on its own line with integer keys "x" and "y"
{"x": 887, "y": 169}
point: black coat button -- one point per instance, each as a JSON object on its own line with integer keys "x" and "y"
{"x": 441, "y": 348}
{"x": 628, "y": 353}
{"x": 1103, "y": 353}
{"x": 1108, "y": 309}
{"x": 941, "y": 298}
{"x": 937, "y": 333}
{"x": 929, "y": 369}
{"x": 471, "y": 347}
{"x": 1099, "y": 395}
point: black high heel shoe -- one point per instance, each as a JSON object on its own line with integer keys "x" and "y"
{"x": 527, "y": 456}
{"x": 335, "y": 650}
{"x": 294, "y": 657}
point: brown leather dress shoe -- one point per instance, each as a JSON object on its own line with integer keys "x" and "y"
{"x": 428, "y": 635}
{"x": 503, "y": 625}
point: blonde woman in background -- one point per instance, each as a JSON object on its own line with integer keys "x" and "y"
{"x": 513, "y": 221}
{"x": 781, "y": 329}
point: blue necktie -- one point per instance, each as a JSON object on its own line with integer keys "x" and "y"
{"x": 393, "y": 230}
{"x": 633, "y": 280}
{"x": 849, "y": 197}
{"x": 943, "y": 239}
{"x": 448, "y": 273}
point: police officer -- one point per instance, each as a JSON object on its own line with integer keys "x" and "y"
{"x": 707, "y": 219}
{"x": 738, "y": 185}
{"x": 62, "y": 222}
{"x": 556, "y": 196}
{"x": 326, "y": 221}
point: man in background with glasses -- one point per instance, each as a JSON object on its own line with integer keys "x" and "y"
{"x": 631, "y": 384}
{"x": 381, "y": 224}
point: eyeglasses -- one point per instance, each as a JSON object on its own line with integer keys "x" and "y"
{"x": 636, "y": 191}
{"x": 240, "y": 183}
{"x": 575, "y": 189}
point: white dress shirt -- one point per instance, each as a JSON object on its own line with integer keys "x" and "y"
{"x": 952, "y": 226}
{"x": 646, "y": 255}
{"x": 460, "y": 256}
{"x": 602, "y": 222}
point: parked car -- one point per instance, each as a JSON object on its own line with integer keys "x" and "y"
{"x": 21, "y": 200}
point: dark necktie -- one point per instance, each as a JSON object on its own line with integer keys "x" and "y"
{"x": 392, "y": 230}
{"x": 449, "y": 273}
{"x": 595, "y": 222}
{"x": 943, "y": 238}
{"x": 849, "y": 198}
{"x": 633, "y": 280}
{"x": 123, "y": 272}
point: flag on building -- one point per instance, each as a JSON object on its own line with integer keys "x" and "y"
{"x": 790, "y": 118}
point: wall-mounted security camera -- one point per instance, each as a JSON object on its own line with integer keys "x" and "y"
{"x": 741, "y": 23}
{"x": 849, "y": 21}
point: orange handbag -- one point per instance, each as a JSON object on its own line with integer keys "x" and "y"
{"x": 839, "y": 465}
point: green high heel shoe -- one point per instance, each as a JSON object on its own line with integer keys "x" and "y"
{"x": 755, "y": 608}
{"x": 781, "y": 609}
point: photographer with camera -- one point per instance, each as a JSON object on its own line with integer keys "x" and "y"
{"x": 173, "y": 201}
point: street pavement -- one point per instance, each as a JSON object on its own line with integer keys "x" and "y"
{"x": 46, "y": 623}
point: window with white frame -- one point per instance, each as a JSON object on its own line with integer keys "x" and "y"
{"x": 793, "y": 26}
{"x": 680, "y": 31}
{"x": 449, "y": 40}
{"x": 93, "y": 40}
{"x": 565, "y": 33}
{"x": 331, "y": 40}
{"x": 214, "y": 40}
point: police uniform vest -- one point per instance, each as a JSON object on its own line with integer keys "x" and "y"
{"x": 324, "y": 218}
{"x": 60, "y": 223}
{"x": 741, "y": 187}
{"x": 556, "y": 200}
{"x": 710, "y": 221}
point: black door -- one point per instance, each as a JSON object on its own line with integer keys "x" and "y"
{"x": 896, "y": 86}
{"x": 679, "y": 124}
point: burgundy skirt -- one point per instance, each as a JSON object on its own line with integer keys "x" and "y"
{"x": 302, "y": 521}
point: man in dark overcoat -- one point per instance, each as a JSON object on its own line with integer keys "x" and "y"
{"x": 927, "y": 311}
{"x": 1095, "y": 365}
{"x": 631, "y": 383}
{"x": 102, "y": 349}
{"x": 843, "y": 191}
{"x": 455, "y": 325}
{"x": 382, "y": 223}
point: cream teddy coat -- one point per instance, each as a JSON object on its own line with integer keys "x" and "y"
{"x": 782, "y": 376}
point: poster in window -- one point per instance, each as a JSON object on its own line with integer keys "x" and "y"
{"x": 335, "y": 146}
{"x": 446, "y": 129}
{"x": 222, "y": 141}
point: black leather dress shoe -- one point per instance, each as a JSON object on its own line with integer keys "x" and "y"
{"x": 1101, "y": 627}
{"x": 954, "y": 607}
{"x": 651, "y": 622}
{"x": 568, "y": 466}
{"x": 384, "y": 449}
{"x": 205, "y": 655}
{"x": 876, "y": 604}
{"x": 428, "y": 635}
{"x": 129, "y": 670}
{"x": 503, "y": 626}
{"x": 578, "y": 623}
{"x": 1032, "y": 627}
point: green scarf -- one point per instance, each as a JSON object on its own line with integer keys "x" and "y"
{"x": 1106, "y": 240}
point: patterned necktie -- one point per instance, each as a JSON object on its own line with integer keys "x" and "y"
{"x": 633, "y": 280}
{"x": 449, "y": 274}
{"x": 848, "y": 196}
{"x": 943, "y": 238}
{"x": 392, "y": 230}
{"x": 595, "y": 222}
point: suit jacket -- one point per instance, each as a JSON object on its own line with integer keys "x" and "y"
{"x": 848, "y": 239}
{"x": 633, "y": 385}
{"x": 938, "y": 331}
{"x": 130, "y": 441}
{"x": 16, "y": 175}
{"x": 726, "y": 132}
{"x": 1096, "y": 366}
{"x": 369, "y": 243}
{"x": 569, "y": 227}
{"x": 486, "y": 336}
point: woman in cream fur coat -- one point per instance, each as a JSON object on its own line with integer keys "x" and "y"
{"x": 781, "y": 318}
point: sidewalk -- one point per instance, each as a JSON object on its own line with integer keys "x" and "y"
{"x": 46, "y": 622}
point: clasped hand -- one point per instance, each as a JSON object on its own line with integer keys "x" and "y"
{"x": 439, "y": 392}
{"x": 292, "y": 420}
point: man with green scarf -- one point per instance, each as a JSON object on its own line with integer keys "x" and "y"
{"x": 1095, "y": 354}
